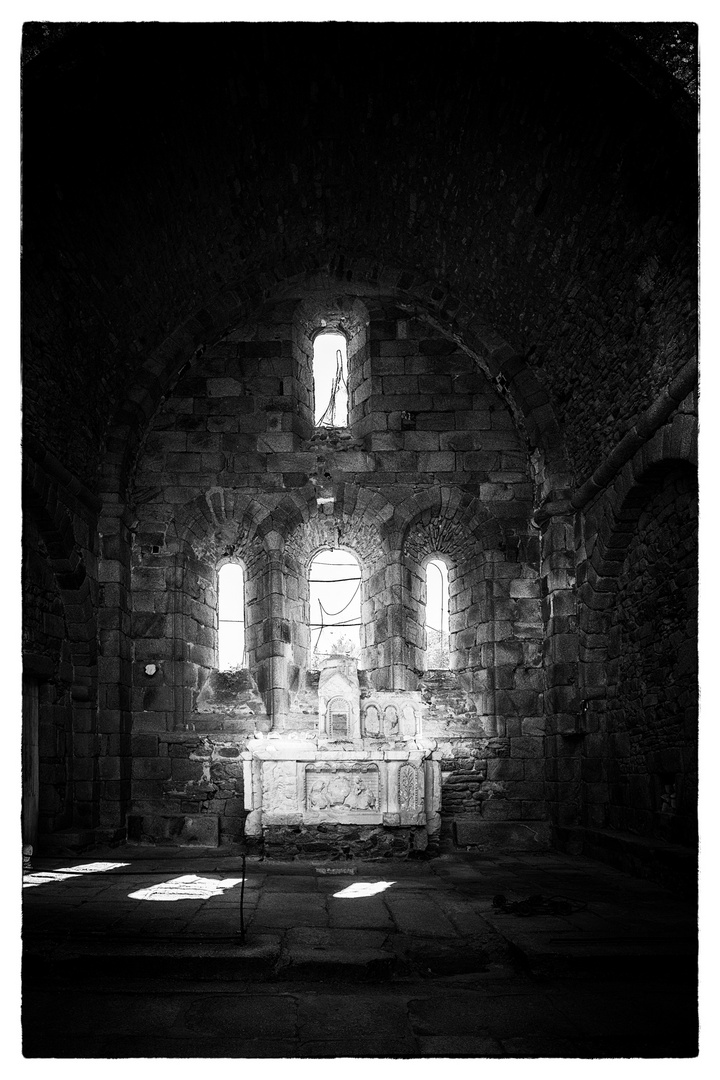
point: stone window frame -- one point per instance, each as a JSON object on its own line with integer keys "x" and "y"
{"x": 225, "y": 560}
{"x": 346, "y": 315}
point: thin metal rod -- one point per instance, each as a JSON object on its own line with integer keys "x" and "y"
{"x": 242, "y": 901}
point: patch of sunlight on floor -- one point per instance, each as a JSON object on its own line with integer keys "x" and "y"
{"x": 363, "y": 888}
{"x": 41, "y": 877}
{"x": 188, "y": 887}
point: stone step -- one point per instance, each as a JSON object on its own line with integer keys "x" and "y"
{"x": 553, "y": 950}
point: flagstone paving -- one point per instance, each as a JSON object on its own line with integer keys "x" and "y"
{"x": 386, "y": 959}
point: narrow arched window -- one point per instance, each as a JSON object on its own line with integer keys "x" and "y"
{"x": 437, "y": 616}
{"x": 334, "y": 581}
{"x": 330, "y": 380}
{"x": 231, "y": 617}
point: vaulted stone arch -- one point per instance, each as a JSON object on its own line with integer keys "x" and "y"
{"x": 510, "y": 373}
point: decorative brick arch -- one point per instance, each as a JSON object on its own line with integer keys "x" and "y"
{"x": 221, "y": 522}
{"x": 444, "y": 518}
{"x": 359, "y": 520}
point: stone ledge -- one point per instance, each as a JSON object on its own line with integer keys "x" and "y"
{"x": 500, "y": 836}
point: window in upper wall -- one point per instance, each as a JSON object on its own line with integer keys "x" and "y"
{"x": 334, "y": 580}
{"x": 437, "y": 656}
{"x": 231, "y": 617}
{"x": 330, "y": 380}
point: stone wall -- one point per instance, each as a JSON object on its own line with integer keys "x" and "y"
{"x": 651, "y": 705}
{"x": 514, "y": 268}
{"x": 630, "y": 762}
{"x": 573, "y": 240}
{"x": 62, "y": 643}
{"x": 438, "y": 468}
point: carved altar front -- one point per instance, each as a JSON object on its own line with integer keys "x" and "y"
{"x": 365, "y": 763}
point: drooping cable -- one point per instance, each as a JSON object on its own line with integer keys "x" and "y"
{"x": 339, "y": 382}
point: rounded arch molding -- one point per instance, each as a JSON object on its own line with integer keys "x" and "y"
{"x": 444, "y": 520}
{"x": 611, "y": 517}
{"x": 420, "y": 295}
{"x": 220, "y": 523}
{"x": 224, "y": 521}
{"x": 359, "y": 522}
{"x": 609, "y": 527}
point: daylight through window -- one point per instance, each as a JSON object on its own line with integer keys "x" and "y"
{"x": 231, "y": 617}
{"x": 437, "y": 616}
{"x": 334, "y": 580}
{"x": 330, "y": 380}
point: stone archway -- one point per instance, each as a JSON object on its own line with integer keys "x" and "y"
{"x": 638, "y": 634}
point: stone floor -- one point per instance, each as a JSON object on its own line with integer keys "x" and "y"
{"x": 137, "y": 953}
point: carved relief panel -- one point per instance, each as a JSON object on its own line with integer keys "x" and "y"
{"x": 408, "y": 788}
{"x": 280, "y": 787}
{"x": 337, "y": 788}
{"x": 394, "y": 719}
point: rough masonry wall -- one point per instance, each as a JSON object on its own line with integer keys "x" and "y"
{"x": 44, "y": 638}
{"x": 510, "y": 192}
{"x": 539, "y": 207}
{"x": 651, "y": 711}
{"x": 224, "y": 473}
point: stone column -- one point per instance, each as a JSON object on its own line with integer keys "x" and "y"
{"x": 397, "y": 648}
{"x": 275, "y": 654}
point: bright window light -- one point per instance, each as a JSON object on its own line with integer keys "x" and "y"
{"x": 42, "y": 877}
{"x": 330, "y": 380}
{"x": 334, "y": 580}
{"x": 363, "y": 888}
{"x": 231, "y": 617}
{"x": 437, "y": 617}
{"x": 188, "y": 887}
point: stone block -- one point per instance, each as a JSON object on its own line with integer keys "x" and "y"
{"x": 185, "y": 769}
{"x": 201, "y": 830}
{"x": 533, "y": 725}
{"x": 525, "y": 588}
{"x": 151, "y": 768}
{"x": 526, "y": 746}
{"x": 504, "y": 769}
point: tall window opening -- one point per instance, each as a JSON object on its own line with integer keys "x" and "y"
{"x": 437, "y": 616}
{"x": 330, "y": 380}
{"x": 334, "y": 581}
{"x": 231, "y": 617}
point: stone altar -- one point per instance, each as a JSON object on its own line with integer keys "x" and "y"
{"x": 366, "y": 763}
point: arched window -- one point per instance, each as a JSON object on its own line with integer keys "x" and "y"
{"x": 437, "y": 616}
{"x": 334, "y": 580}
{"x": 231, "y": 617}
{"x": 330, "y": 380}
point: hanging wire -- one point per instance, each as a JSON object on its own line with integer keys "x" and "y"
{"x": 339, "y": 382}
{"x": 322, "y": 625}
{"x": 332, "y": 614}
